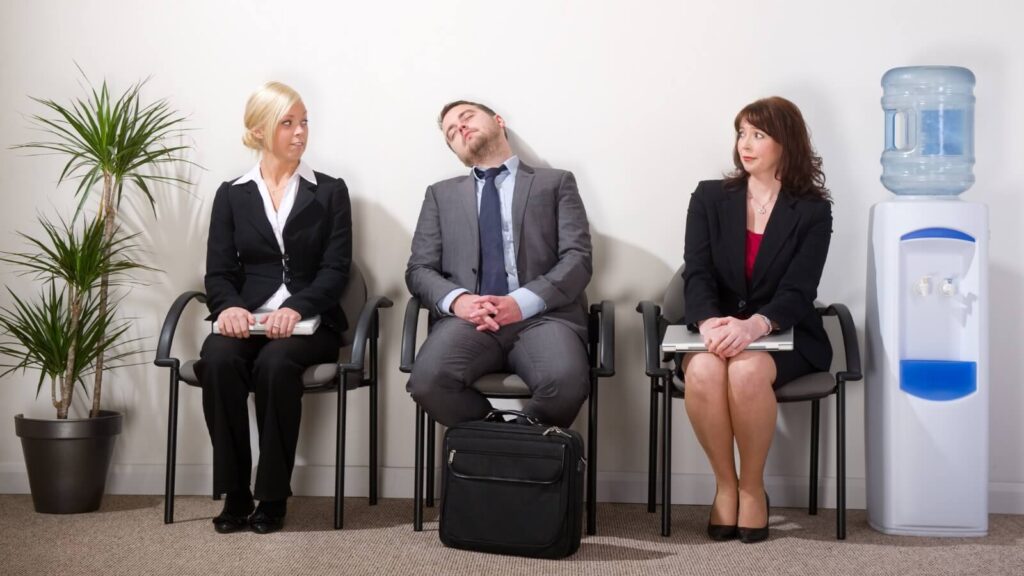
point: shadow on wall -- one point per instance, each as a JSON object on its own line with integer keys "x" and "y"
{"x": 381, "y": 248}
{"x": 525, "y": 152}
{"x": 173, "y": 242}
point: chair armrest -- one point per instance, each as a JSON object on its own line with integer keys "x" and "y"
{"x": 366, "y": 328}
{"x": 602, "y": 323}
{"x": 850, "y": 345}
{"x": 409, "y": 325}
{"x": 651, "y": 314}
{"x": 163, "y": 349}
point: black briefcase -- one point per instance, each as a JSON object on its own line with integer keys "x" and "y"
{"x": 512, "y": 488}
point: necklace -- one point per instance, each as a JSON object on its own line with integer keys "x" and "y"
{"x": 763, "y": 208}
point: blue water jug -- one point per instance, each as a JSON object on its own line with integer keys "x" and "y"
{"x": 929, "y": 130}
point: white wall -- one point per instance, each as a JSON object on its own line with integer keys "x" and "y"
{"x": 637, "y": 98}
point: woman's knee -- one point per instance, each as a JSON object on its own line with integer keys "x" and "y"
{"x": 704, "y": 372}
{"x": 750, "y": 374}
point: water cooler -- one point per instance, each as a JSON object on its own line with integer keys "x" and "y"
{"x": 927, "y": 377}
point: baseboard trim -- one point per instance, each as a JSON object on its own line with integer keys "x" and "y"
{"x": 397, "y": 482}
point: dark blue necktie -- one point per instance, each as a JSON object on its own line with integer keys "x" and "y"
{"x": 493, "y": 279}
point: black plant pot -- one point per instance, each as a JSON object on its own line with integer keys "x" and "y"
{"x": 67, "y": 460}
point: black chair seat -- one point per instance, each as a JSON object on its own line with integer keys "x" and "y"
{"x": 810, "y": 387}
{"x": 315, "y": 378}
{"x": 356, "y": 367}
{"x": 502, "y": 385}
{"x": 601, "y": 349}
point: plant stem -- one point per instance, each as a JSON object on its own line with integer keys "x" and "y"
{"x": 108, "y": 208}
{"x": 67, "y": 386}
{"x": 67, "y": 390}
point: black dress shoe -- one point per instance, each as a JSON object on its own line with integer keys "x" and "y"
{"x": 720, "y": 532}
{"x": 752, "y": 535}
{"x": 227, "y": 523}
{"x": 263, "y": 523}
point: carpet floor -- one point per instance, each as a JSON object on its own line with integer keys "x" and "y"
{"x": 127, "y": 536}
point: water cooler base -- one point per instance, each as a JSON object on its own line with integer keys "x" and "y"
{"x": 930, "y": 531}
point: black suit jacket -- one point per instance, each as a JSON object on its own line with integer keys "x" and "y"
{"x": 244, "y": 265}
{"x": 786, "y": 271}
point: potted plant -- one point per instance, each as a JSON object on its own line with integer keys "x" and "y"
{"x": 112, "y": 145}
{"x": 62, "y": 334}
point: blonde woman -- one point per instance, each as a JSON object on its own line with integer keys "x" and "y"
{"x": 279, "y": 251}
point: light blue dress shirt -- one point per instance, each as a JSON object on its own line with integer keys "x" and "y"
{"x": 529, "y": 303}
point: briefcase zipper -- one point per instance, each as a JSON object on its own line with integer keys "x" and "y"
{"x": 582, "y": 464}
{"x": 556, "y": 430}
{"x": 451, "y": 456}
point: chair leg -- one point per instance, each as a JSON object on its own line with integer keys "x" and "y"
{"x": 213, "y": 486}
{"x": 841, "y": 462}
{"x": 666, "y": 460}
{"x": 812, "y": 496}
{"x": 431, "y": 458}
{"x": 172, "y": 448}
{"x": 339, "y": 457}
{"x": 652, "y": 449}
{"x": 592, "y": 460}
{"x": 374, "y": 472}
{"x": 373, "y": 443}
{"x": 417, "y": 490}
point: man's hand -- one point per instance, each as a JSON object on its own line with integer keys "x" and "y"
{"x": 281, "y": 322}
{"x": 489, "y": 313}
{"x": 496, "y": 311}
{"x": 234, "y": 322}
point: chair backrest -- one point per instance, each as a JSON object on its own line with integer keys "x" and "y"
{"x": 352, "y": 301}
{"x": 673, "y": 305}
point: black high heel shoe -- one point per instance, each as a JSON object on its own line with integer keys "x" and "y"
{"x": 752, "y": 535}
{"x": 720, "y": 532}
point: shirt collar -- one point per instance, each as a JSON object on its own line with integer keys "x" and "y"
{"x": 304, "y": 171}
{"x": 512, "y": 165}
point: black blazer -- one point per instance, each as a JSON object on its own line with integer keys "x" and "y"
{"x": 244, "y": 265}
{"x": 786, "y": 271}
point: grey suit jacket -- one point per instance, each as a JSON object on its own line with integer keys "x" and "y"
{"x": 550, "y": 233}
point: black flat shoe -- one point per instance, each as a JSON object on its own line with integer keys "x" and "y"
{"x": 227, "y": 523}
{"x": 752, "y": 535}
{"x": 720, "y": 532}
{"x": 263, "y": 523}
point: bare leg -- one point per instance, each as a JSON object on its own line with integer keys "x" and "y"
{"x": 707, "y": 405}
{"x": 753, "y": 409}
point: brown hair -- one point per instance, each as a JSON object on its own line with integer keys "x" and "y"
{"x": 450, "y": 105}
{"x": 800, "y": 167}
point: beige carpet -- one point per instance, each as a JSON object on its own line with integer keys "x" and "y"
{"x": 128, "y": 537}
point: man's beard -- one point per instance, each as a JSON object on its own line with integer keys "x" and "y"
{"x": 480, "y": 148}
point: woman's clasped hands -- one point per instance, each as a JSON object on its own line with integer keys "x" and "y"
{"x": 727, "y": 336}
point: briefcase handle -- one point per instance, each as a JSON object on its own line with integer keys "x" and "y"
{"x": 498, "y": 416}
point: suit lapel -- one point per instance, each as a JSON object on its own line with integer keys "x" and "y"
{"x": 732, "y": 218}
{"x": 780, "y": 224}
{"x": 303, "y": 196}
{"x": 466, "y": 194}
{"x": 257, "y": 212}
{"x": 520, "y": 194}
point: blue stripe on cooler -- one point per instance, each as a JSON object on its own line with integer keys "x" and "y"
{"x": 939, "y": 380}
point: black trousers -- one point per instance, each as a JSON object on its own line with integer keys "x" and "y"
{"x": 228, "y": 370}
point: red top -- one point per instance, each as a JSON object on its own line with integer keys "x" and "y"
{"x": 753, "y": 244}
